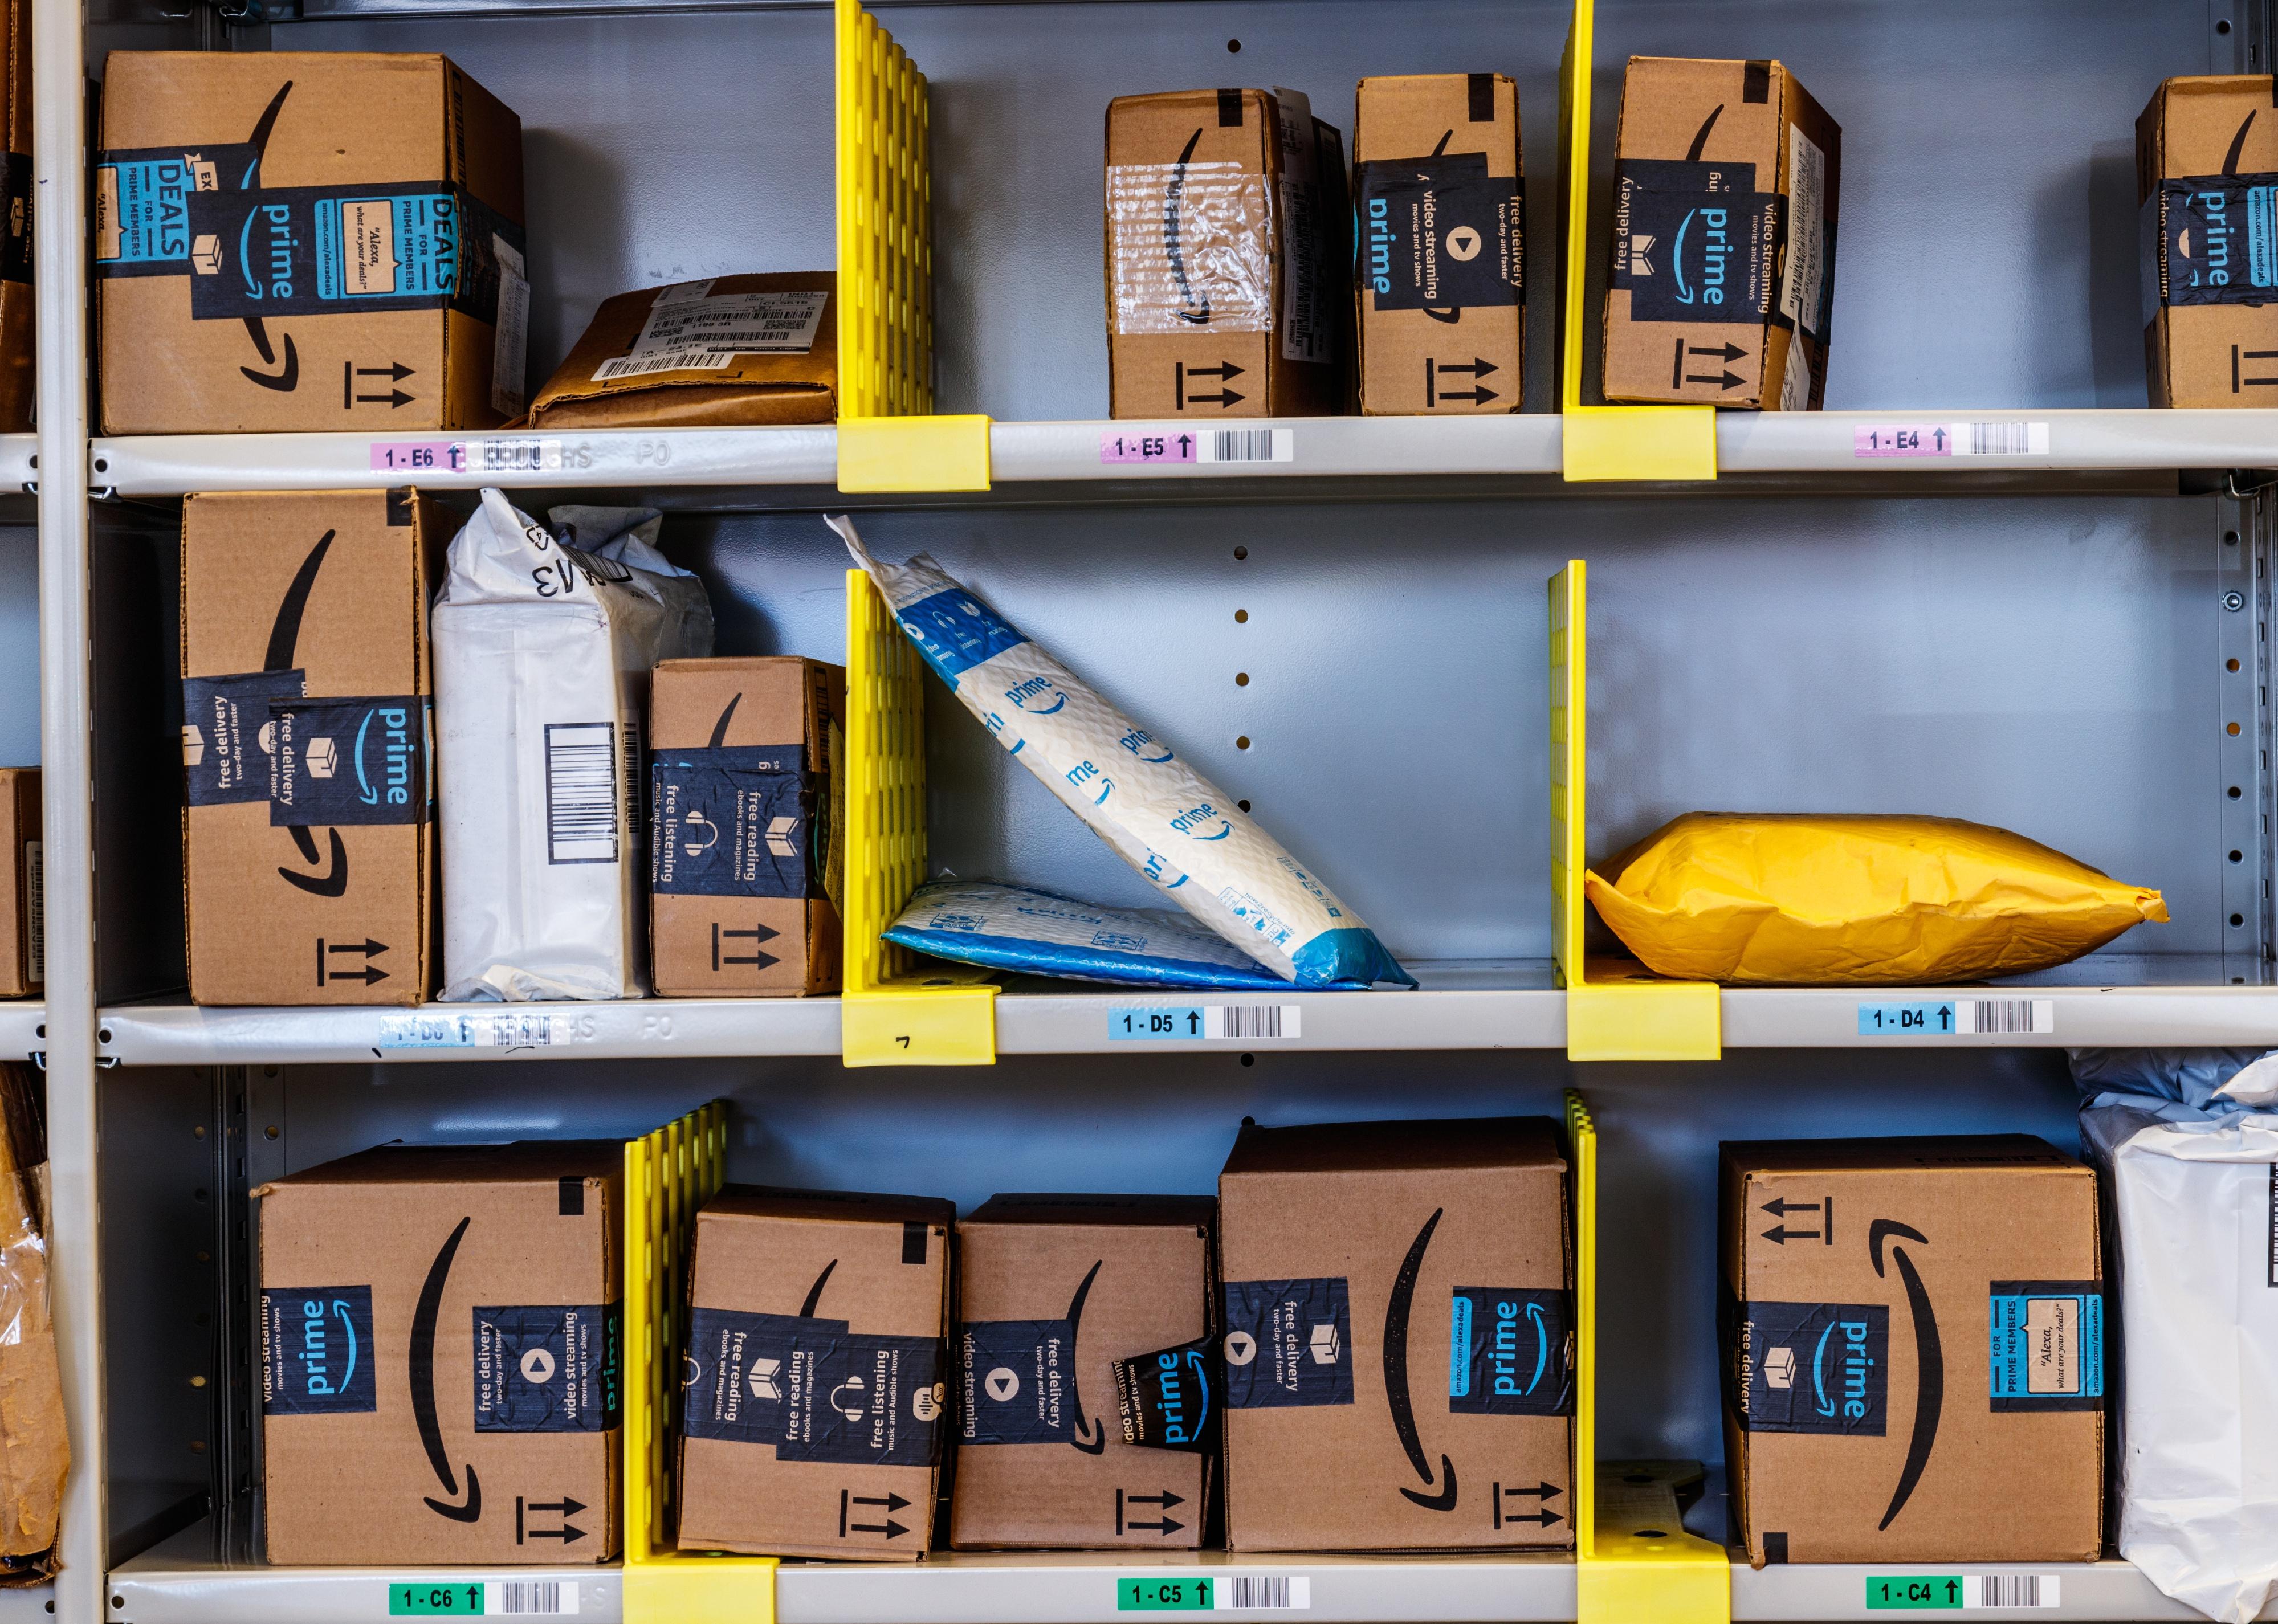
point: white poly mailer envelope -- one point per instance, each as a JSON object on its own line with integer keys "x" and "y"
{"x": 543, "y": 645}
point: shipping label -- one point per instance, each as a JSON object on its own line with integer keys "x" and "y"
{"x": 546, "y": 1369}
{"x": 1509, "y": 1351}
{"x": 1814, "y": 1367}
{"x": 316, "y": 1357}
{"x": 1288, "y": 1343}
{"x": 348, "y": 761}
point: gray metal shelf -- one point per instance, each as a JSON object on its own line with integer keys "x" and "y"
{"x": 1827, "y": 445}
{"x": 23, "y": 1028}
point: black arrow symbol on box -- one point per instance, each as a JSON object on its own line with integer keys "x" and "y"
{"x": 398, "y": 372}
{"x": 567, "y": 1507}
{"x": 891, "y": 1502}
{"x": 367, "y": 975}
{"x": 1779, "y": 1234}
{"x": 1478, "y": 397}
{"x": 1225, "y": 397}
{"x": 1165, "y": 1499}
{"x": 367, "y": 946}
{"x": 1479, "y": 368}
{"x": 1227, "y": 372}
{"x": 1166, "y": 1528}
{"x": 1544, "y": 1491}
{"x": 393, "y": 399}
{"x": 566, "y": 1535}
{"x": 1780, "y": 1209}
{"x": 1730, "y": 380}
{"x": 890, "y": 1529}
{"x": 1730, "y": 352}
{"x": 2255, "y": 355}
{"x": 1546, "y": 1517}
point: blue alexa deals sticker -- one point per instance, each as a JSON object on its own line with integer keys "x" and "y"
{"x": 317, "y": 1356}
{"x": 2046, "y": 1343}
{"x": 1508, "y": 1352}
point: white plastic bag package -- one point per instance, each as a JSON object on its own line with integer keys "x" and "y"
{"x": 543, "y": 644}
{"x": 2195, "y": 1191}
{"x": 1158, "y": 813}
{"x": 1019, "y": 928}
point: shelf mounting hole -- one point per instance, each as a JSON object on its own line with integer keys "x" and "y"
{"x": 2222, "y": 25}
{"x": 2238, "y": 857}
{"x": 1243, "y": 741}
{"x": 1235, "y": 46}
{"x": 1250, "y": 1060}
{"x": 2237, "y": 920}
{"x": 1242, "y": 553}
{"x": 2231, "y": 728}
{"x": 2234, "y": 792}
{"x": 2230, "y": 664}
{"x": 1240, "y": 616}
{"x": 1241, "y": 679}
{"x": 2230, "y": 538}
{"x": 1243, "y": 804}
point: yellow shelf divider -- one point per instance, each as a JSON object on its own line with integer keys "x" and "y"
{"x": 1608, "y": 442}
{"x": 890, "y": 1012}
{"x": 888, "y": 439}
{"x": 668, "y": 1175}
{"x": 1615, "y": 1011}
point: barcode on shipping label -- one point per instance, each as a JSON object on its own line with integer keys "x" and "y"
{"x": 497, "y": 1030}
{"x": 1247, "y": 445}
{"x": 2005, "y": 1017}
{"x": 35, "y": 910}
{"x": 531, "y": 1597}
{"x": 581, "y": 792}
{"x": 1985, "y": 1592}
{"x": 670, "y": 361}
{"x": 1262, "y": 1593}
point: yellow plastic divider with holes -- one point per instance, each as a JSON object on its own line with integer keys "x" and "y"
{"x": 891, "y": 1013}
{"x": 668, "y": 1175}
{"x": 1615, "y": 1009}
{"x": 1608, "y": 442}
{"x": 1582, "y": 1154}
{"x": 888, "y": 440}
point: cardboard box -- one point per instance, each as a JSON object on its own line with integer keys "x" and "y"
{"x": 1442, "y": 245}
{"x": 23, "y": 892}
{"x": 440, "y": 1336}
{"x": 18, "y": 386}
{"x": 299, "y": 240}
{"x": 38, "y": 1452}
{"x": 2206, "y": 151}
{"x": 309, "y": 835}
{"x": 726, "y": 352}
{"x": 1356, "y": 1256}
{"x": 747, "y": 796}
{"x": 1054, "y": 1293}
{"x": 1723, "y": 249}
{"x": 1913, "y": 1338}
{"x": 1227, "y": 243}
{"x": 816, "y": 1386}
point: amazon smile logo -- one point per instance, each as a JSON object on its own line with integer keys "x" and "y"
{"x": 1397, "y": 1309}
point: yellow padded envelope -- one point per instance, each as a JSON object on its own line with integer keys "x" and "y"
{"x": 1790, "y": 898}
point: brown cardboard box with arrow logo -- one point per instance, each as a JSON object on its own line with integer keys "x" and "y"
{"x": 308, "y": 831}
{"x": 304, "y": 240}
{"x": 1073, "y": 1309}
{"x": 1396, "y": 1327}
{"x": 816, "y": 1385}
{"x": 440, "y": 1330}
{"x": 1913, "y": 1338}
{"x": 2206, "y": 185}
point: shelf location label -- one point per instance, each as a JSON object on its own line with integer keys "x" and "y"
{"x": 1981, "y": 1017}
{"x": 1177, "y": 443}
{"x": 1216, "y": 1022}
{"x": 1229, "y": 1593}
{"x": 475, "y": 1599}
{"x": 1950, "y": 440}
{"x": 1960, "y": 1592}
{"x": 481, "y": 456}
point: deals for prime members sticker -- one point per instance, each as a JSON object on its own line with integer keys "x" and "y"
{"x": 1134, "y": 792}
{"x": 309, "y": 837}
{"x": 1227, "y": 238}
{"x": 1914, "y": 1337}
{"x": 439, "y": 1346}
{"x": 1088, "y": 1381}
{"x": 721, "y": 353}
{"x": 290, "y": 240}
{"x": 1397, "y": 1330}
{"x": 2206, "y": 184}
{"x": 747, "y": 809}
{"x": 816, "y": 1384}
{"x": 544, "y": 642}
{"x": 2188, "y": 1141}
{"x": 1723, "y": 244}
{"x": 1770, "y": 899}
{"x": 23, "y": 888}
{"x": 1442, "y": 210}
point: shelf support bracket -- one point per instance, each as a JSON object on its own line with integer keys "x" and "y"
{"x": 1638, "y": 1564}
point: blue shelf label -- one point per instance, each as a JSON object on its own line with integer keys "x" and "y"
{"x": 1888, "y": 1020}
{"x": 1151, "y": 1023}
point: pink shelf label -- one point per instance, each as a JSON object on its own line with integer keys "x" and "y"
{"x": 1125, "y": 446}
{"x": 417, "y": 456}
{"x": 1902, "y": 439}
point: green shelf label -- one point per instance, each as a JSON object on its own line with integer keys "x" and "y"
{"x": 1186, "y": 1595}
{"x": 1914, "y": 1592}
{"x": 421, "y": 1601}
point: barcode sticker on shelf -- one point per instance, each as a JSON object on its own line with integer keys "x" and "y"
{"x": 1950, "y": 440}
{"x": 1960, "y": 1592}
{"x": 581, "y": 792}
{"x": 1247, "y": 445}
{"x": 1960, "y": 1018}
{"x": 491, "y": 456}
{"x": 1217, "y": 1022}
{"x": 531, "y": 1597}
{"x": 669, "y": 360}
{"x": 1262, "y": 1593}
{"x": 489, "y": 1030}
